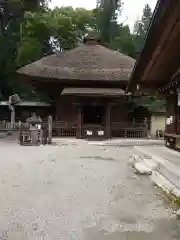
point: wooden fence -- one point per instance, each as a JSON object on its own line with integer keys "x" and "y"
{"x": 129, "y": 130}
{"x": 70, "y": 129}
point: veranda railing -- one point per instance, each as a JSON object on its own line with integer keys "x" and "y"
{"x": 69, "y": 129}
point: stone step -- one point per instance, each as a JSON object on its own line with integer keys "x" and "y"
{"x": 170, "y": 174}
{"x": 168, "y": 166}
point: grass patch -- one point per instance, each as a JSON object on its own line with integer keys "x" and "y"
{"x": 169, "y": 197}
{"x": 175, "y": 199}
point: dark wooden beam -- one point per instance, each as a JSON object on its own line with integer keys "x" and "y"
{"x": 165, "y": 42}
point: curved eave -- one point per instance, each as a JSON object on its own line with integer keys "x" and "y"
{"x": 148, "y": 62}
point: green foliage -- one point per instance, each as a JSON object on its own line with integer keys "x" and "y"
{"x": 16, "y": 46}
{"x": 141, "y": 27}
{"x": 69, "y": 25}
{"x": 113, "y": 33}
{"x": 34, "y": 38}
{"x": 28, "y": 51}
{"x": 108, "y": 12}
{"x": 148, "y": 104}
{"x": 154, "y": 103}
{"x": 124, "y": 42}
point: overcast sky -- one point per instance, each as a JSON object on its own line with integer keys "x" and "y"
{"x": 132, "y": 10}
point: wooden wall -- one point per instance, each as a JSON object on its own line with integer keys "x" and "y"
{"x": 66, "y": 109}
{"x": 119, "y": 113}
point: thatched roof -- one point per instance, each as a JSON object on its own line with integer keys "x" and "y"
{"x": 86, "y": 62}
{"x": 93, "y": 92}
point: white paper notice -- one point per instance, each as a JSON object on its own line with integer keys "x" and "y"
{"x": 89, "y": 133}
{"x": 171, "y": 119}
{"x": 100, "y": 133}
{"x": 168, "y": 121}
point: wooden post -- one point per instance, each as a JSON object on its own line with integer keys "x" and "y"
{"x": 12, "y": 101}
{"x": 12, "y": 108}
{"x": 146, "y": 128}
{"x": 125, "y": 133}
{"x": 50, "y": 130}
{"x": 79, "y": 123}
{"x": 41, "y": 136}
{"x": 108, "y": 121}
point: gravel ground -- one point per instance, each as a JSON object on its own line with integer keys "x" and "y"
{"x": 78, "y": 191}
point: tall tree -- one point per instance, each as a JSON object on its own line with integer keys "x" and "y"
{"x": 124, "y": 41}
{"x": 12, "y": 19}
{"x": 107, "y": 16}
{"x": 113, "y": 33}
{"x": 141, "y": 27}
{"x": 146, "y": 17}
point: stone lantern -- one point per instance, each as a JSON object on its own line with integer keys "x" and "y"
{"x": 34, "y": 128}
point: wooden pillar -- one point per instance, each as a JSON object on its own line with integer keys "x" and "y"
{"x": 79, "y": 123}
{"x": 12, "y": 109}
{"x": 146, "y": 128}
{"x": 108, "y": 121}
{"x": 50, "y": 130}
